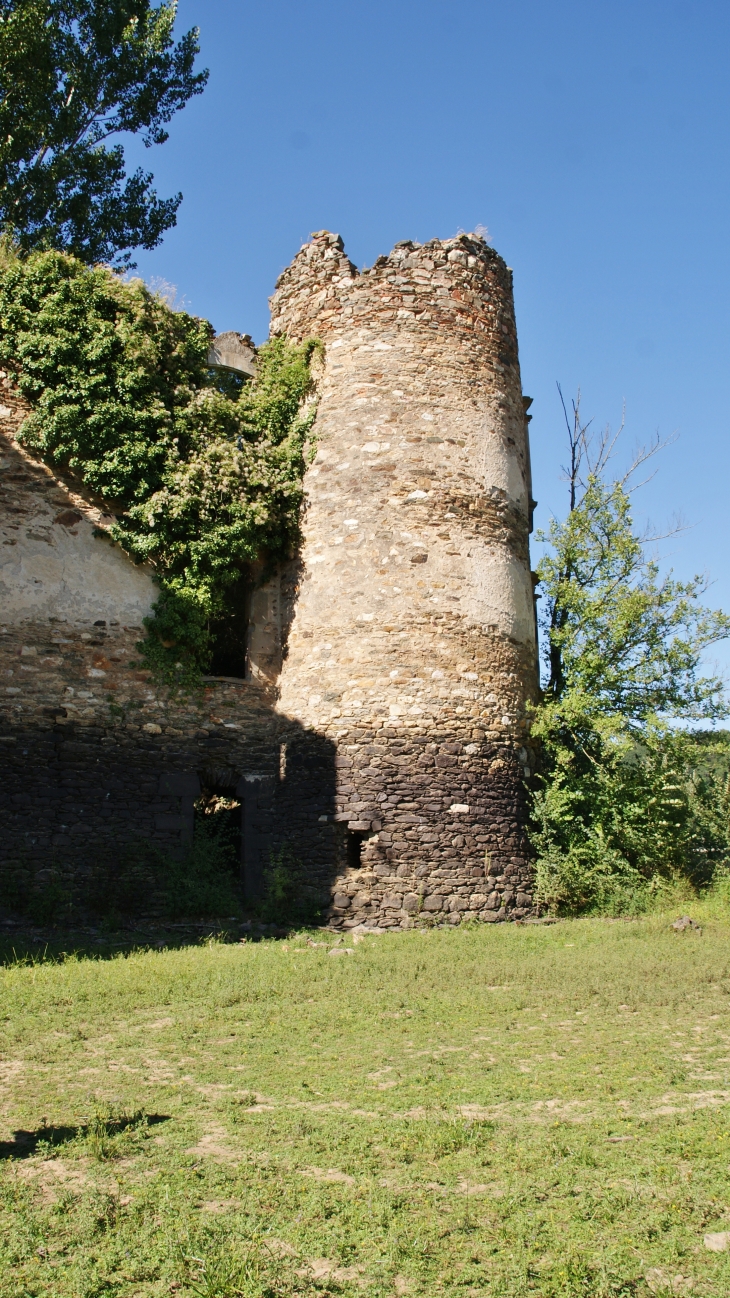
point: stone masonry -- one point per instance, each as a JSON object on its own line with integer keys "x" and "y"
{"x": 380, "y": 734}
{"x": 413, "y": 642}
{"x": 96, "y": 759}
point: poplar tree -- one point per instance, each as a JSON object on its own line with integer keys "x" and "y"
{"x": 74, "y": 76}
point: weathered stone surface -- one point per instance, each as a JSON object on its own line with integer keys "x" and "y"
{"x": 55, "y": 558}
{"x": 232, "y": 351}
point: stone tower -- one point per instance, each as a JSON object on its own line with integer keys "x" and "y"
{"x": 412, "y": 646}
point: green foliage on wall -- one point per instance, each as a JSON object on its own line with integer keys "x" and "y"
{"x": 203, "y": 471}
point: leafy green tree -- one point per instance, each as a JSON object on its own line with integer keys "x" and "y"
{"x": 75, "y": 74}
{"x": 624, "y": 795}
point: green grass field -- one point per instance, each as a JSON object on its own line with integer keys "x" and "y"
{"x": 497, "y": 1111}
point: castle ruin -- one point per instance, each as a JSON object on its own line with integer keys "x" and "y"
{"x": 378, "y": 733}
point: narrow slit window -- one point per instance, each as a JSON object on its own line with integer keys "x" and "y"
{"x": 355, "y": 840}
{"x": 230, "y": 632}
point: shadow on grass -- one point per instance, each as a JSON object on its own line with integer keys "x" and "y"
{"x": 26, "y": 1143}
{"x": 30, "y": 945}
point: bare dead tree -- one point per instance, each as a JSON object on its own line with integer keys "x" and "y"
{"x": 590, "y": 454}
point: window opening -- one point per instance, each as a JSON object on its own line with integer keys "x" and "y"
{"x": 355, "y": 840}
{"x": 230, "y": 631}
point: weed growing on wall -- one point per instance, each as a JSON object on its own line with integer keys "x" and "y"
{"x": 285, "y": 899}
{"x": 203, "y": 471}
{"x": 204, "y": 881}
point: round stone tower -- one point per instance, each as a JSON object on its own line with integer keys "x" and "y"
{"x": 412, "y": 645}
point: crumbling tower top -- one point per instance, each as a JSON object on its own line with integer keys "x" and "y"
{"x": 461, "y": 285}
{"x": 421, "y": 353}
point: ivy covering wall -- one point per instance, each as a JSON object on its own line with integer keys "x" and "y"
{"x": 202, "y": 469}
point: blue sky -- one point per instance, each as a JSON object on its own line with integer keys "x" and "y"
{"x": 591, "y": 139}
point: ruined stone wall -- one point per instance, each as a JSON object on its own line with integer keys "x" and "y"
{"x": 413, "y": 643}
{"x": 98, "y": 762}
{"x": 55, "y": 558}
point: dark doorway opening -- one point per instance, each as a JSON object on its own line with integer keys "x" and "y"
{"x": 355, "y": 840}
{"x": 230, "y": 631}
{"x": 219, "y": 824}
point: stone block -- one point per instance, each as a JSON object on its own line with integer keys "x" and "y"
{"x": 433, "y": 903}
{"x": 185, "y": 785}
{"x": 163, "y": 821}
